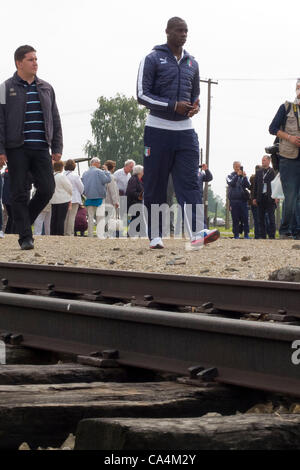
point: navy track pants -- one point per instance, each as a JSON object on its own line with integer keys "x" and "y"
{"x": 175, "y": 152}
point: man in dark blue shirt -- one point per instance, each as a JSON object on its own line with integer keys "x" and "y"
{"x": 238, "y": 196}
{"x": 29, "y": 127}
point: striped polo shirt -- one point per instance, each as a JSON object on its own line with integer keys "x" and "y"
{"x": 34, "y": 127}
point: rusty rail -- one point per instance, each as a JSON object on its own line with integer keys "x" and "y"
{"x": 250, "y": 354}
{"x": 149, "y": 289}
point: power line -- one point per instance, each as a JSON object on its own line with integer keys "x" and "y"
{"x": 84, "y": 111}
{"x": 258, "y": 79}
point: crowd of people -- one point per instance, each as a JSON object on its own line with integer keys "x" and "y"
{"x": 256, "y": 193}
{"x": 168, "y": 85}
{"x": 78, "y": 204}
{"x": 253, "y": 194}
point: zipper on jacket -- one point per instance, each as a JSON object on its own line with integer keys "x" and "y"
{"x": 178, "y": 88}
{"x": 179, "y": 75}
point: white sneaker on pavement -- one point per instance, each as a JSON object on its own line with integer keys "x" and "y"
{"x": 204, "y": 237}
{"x": 1, "y": 234}
{"x": 156, "y": 243}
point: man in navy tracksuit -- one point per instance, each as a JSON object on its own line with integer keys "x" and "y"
{"x": 168, "y": 84}
{"x": 238, "y": 197}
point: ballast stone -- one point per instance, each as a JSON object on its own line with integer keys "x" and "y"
{"x": 287, "y": 274}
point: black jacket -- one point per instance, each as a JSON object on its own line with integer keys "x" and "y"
{"x": 12, "y": 114}
{"x": 260, "y": 179}
{"x": 135, "y": 189}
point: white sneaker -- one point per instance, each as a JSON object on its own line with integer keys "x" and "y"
{"x": 1, "y": 234}
{"x": 204, "y": 237}
{"x": 156, "y": 243}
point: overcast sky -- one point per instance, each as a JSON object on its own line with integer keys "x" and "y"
{"x": 89, "y": 48}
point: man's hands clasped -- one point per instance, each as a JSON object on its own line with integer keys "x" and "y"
{"x": 187, "y": 109}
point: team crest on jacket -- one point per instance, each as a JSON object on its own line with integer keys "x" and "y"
{"x": 189, "y": 62}
{"x": 163, "y": 61}
{"x": 147, "y": 152}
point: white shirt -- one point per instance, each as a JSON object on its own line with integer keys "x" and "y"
{"x": 122, "y": 179}
{"x": 77, "y": 186}
{"x": 63, "y": 189}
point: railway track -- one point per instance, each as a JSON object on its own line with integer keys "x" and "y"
{"x": 207, "y": 346}
{"x": 151, "y": 290}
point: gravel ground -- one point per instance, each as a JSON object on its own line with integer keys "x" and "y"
{"x": 227, "y": 258}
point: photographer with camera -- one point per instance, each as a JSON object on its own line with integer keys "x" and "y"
{"x": 238, "y": 196}
{"x": 204, "y": 176}
{"x": 262, "y": 198}
{"x": 286, "y": 126}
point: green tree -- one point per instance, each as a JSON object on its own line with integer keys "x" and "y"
{"x": 118, "y": 128}
{"x": 212, "y": 201}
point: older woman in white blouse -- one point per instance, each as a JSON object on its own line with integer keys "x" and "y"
{"x": 112, "y": 199}
{"x": 77, "y": 187}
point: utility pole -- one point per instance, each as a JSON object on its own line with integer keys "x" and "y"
{"x": 201, "y": 156}
{"x": 227, "y": 216}
{"x": 205, "y": 194}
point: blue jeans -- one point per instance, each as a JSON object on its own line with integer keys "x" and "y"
{"x": 290, "y": 180}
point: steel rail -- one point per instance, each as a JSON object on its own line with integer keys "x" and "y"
{"x": 251, "y": 354}
{"x": 150, "y": 288}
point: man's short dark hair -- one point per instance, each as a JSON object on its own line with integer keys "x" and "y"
{"x": 22, "y": 51}
{"x": 174, "y": 21}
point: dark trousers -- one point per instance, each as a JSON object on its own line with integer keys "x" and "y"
{"x": 58, "y": 215}
{"x": 1, "y": 217}
{"x": 254, "y": 210}
{"x": 239, "y": 213}
{"x": 266, "y": 207}
{"x": 175, "y": 152}
{"x": 10, "y": 222}
{"x": 20, "y": 162}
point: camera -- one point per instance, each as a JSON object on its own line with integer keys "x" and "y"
{"x": 241, "y": 168}
{"x": 273, "y": 149}
{"x": 200, "y": 166}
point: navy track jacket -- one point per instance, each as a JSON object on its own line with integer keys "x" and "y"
{"x": 162, "y": 82}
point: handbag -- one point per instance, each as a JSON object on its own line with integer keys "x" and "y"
{"x": 276, "y": 188}
{"x": 115, "y": 224}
